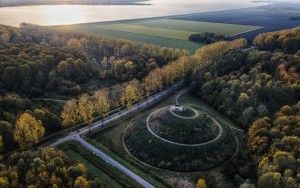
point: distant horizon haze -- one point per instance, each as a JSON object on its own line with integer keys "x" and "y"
{"x": 73, "y": 14}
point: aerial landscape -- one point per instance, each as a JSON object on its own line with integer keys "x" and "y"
{"x": 155, "y": 94}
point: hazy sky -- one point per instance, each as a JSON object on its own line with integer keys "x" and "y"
{"x": 69, "y": 14}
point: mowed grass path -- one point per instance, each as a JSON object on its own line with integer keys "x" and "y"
{"x": 164, "y": 32}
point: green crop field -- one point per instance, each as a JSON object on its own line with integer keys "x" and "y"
{"x": 195, "y": 26}
{"x": 164, "y": 32}
{"x": 154, "y": 31}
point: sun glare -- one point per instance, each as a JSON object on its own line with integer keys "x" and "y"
{"x": 57, "y": 15}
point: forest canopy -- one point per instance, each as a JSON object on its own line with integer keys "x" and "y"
{"x": 260, "y": 90}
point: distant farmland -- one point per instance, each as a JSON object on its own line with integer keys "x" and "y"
{"x": 164, "y": 32}
{"x": 271, "y": 17}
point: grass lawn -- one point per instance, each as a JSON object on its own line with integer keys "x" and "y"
{"x": 98, "y": 168}
{"x": 164, "y": 32}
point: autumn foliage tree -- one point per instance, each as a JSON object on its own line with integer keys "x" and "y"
{"x": 274, "y": 143}
{"x": 132, "y": 93}
{"x": 86, "y": 108}
{"x": 70, "y": 113}
{"x": 201, "y": 183}
{"x": 102, "y": 102}
{"x": 28, "y": 130}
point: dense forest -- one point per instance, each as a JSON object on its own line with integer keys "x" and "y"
{"x": 41, "y": 68}
{"x": 46, "y": 75}
{"x": 51, "y": 80}
{"x": 260, "y": 90}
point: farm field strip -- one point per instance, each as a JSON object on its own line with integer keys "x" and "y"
{"x": 154, "y": 31}
{"x": 196, "y": 26}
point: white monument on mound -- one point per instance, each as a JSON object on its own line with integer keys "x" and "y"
{"x": 177, "y": 107}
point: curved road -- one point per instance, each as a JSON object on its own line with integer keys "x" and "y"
{"x": 76, "y": 135}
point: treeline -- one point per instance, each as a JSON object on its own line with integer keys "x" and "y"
{"x": 206, "y": 38}
{"x": 260, "y": 91}
{"x": 285, "y": 40}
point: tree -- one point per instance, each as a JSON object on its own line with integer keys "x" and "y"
{"x": 258, "y": 140}
{"x": 28, "y": 130}
{"x": 154, "y": 81}
{"x": 243, "y": 97}
{"x": 70, "y": 113}
{"x": 102, "y": 103}
{"x": 131, "y": 93}
{"x": 212, "y": 52}
{"x": 284, "y": 160}
{"x": 86, "y": 108}
{"x": 270, "y": 179}
{"x": 201, "y": 183}
{"x": 81, "y": 182}
{"x": 1, "y": 144}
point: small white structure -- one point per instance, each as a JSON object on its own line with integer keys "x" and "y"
{"x": 177, "y": 108}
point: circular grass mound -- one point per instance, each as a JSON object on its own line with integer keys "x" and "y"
{"x": 188, "y": 128}
{"x": 208, "y": 148}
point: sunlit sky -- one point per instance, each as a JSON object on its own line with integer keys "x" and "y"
{"x": 70, "y": 14}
